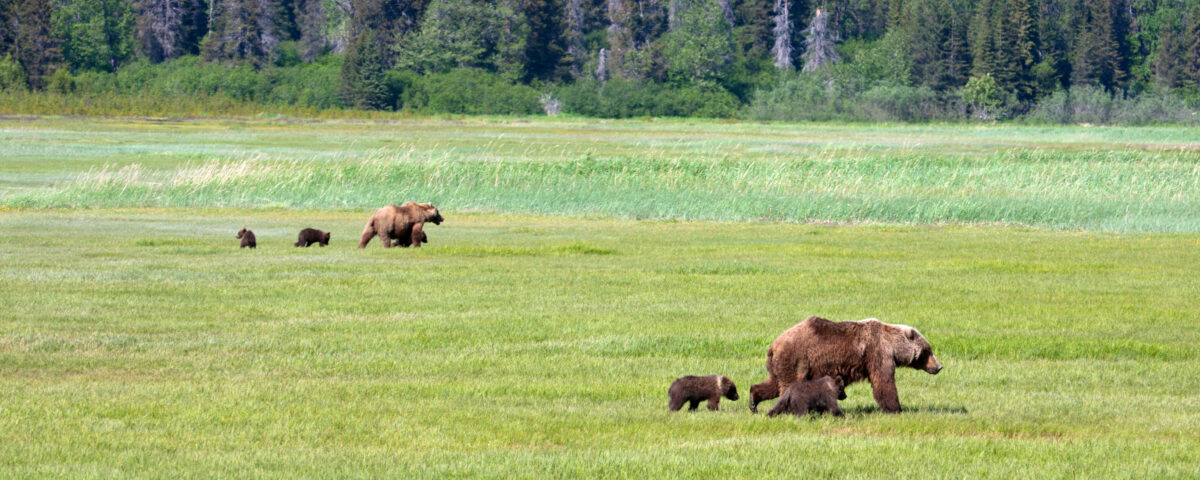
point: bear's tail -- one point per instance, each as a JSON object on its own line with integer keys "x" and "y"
{"x": 368, "y": 232}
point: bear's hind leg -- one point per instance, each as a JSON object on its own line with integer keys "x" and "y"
{"x": 694, "y": 404}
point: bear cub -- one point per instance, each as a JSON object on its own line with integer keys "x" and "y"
{"x": 247, "y": 238}
{"x": 820, "y": 395}
{"x": 693, "y": 389}
{"x": 310, "y": 236}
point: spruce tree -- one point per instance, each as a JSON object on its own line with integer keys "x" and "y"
{"x": 1192, "y": 55}
{"x": 545, "y": 47}
{"x": 362, "y": 84}
{"x": 1096, "y": 58}
{"x": 34, "y": 43}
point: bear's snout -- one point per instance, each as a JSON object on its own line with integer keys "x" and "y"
{"x": 932, "y": 367}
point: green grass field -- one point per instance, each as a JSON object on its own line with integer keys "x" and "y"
{"x": 537, "y": 333}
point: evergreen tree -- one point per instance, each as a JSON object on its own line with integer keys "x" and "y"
{"x": 753, "y": 27}
{"x": 468, "y": 34}
{"x": 391, "y": 21}
{"x": 362, "y": 84}
{"x": 243, "y": 32}
{"x": 96, "y": 34}
{"x": 545, "y": 47}
{"x": 6, "y": 27}
{"x": 34, "y": 44}
{"x": 699, "y": 43}
{"x": 1170, "y": 59}
{"x": 1017, "y": 41}
{"x": 819, "y": 40}
{"x": 1096, "y": 58}
{"x": 1192, "y": 55}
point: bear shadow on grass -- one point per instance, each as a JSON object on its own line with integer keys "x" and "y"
{"x": 939, "y": 409}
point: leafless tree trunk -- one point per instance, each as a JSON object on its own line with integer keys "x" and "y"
{"x": 602, "y": 65}
{"x": 575, "y": 35}
{"x": 620, "y": 38}
{"x": 782, "y": 51}
{"x": 818, "y": 43}
{"x": 159, "y": 25}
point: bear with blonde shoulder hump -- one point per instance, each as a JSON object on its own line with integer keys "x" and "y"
{"x": 405, "y": 224}
{"x": 848, "y": 351}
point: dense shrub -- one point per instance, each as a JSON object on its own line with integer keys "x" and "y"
{"x": 618, "y": 98}
{"x": 12, "y": 77}
{"x": 1094, "y": 105}
{"x": 462, "y": 91}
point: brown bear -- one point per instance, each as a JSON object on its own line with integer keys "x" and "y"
{"x": 692, "y": 389}
{"x": 247, "y": 237}
{"x": 820, "y": 395}
{"x": 405, "y": 224}
{"x": 850, "y": 351}
{"x": 310, "y": 236}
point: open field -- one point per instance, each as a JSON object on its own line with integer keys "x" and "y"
{"x": 1099, "y": 179}
{"x": 531, "y": 346}
{"x": 537, "y": 333}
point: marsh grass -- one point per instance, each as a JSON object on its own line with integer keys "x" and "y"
{"x": 1118, "y": 188}
{"x": 146, "y": 344}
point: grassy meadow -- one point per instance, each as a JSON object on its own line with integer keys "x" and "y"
{"x": 581, "y": 268}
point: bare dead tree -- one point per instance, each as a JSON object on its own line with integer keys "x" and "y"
{"x": 818, "y": 43}
{"x": 159, "y": 25}
{"x": 782, "y": 51}
{"x": 574, "y": 35}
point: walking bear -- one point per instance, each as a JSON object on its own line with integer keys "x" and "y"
{"x": 693, "y": 389}
{"x": 310, "y": 236}
{"x": 820, "y": 395}
{"x": 404, "y": 224}
{"x": 852, "y": 351}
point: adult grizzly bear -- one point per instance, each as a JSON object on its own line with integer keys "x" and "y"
{"x": 693, "y": 390}
{"x": 851, "y": 351}
{"x": 310, "y": 236}
{"x": 820, "y": 395}
{"x": 405, "y": 224}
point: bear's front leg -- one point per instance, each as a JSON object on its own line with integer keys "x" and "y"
{"x": 418, "y": 233}
{"x": 883, "y": 384}
{"x": 713, "y": 401}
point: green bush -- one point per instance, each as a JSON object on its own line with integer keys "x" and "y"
{"x": 462, "y": 91}
{"x": 618, "y": 98}
{"x": 12, "y": 77}
{"x": 798, "y": 97}
{"x": 61, "y": 82}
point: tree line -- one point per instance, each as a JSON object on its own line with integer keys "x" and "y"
{"x": 910, "y": 59}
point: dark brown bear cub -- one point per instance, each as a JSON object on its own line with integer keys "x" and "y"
{"x": 820, "y": 395}
{"x": 247, "y": 238}
{"x": 692, "y": 389}
{"x": 310, "y": 236}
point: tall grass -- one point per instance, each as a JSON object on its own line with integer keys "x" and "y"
{"x": 1095, "y": 190}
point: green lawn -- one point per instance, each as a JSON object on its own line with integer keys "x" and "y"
{"x": 139, "y": 341}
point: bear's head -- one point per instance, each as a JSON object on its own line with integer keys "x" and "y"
{"x": 432, "y": 214}
{"x": 912, "y": 350}
{"x": 327, "y": 238}
{"x": 838, "y": 386}
{"x": 727, "y": 388}
{"x": 241, "y": 233}
{"x": 768, "y": 389}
